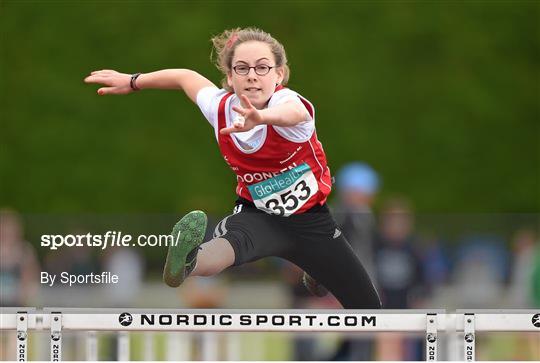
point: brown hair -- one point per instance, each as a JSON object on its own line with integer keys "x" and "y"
{"x": 226, "y": 43}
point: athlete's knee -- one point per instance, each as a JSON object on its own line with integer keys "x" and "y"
{"x": 214, "y": 256}
{"x": 208, "y": 268}
{"x": 208, "y": 271}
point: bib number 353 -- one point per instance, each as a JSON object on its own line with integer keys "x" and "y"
{"x": 286, "y": 193}
{"x": 290, "y": 200}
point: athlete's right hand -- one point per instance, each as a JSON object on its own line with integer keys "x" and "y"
{"x": 117, "y": 83}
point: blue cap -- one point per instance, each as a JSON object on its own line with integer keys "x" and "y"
{"x": 359, "y": 177}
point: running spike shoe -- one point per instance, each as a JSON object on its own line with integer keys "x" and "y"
{"x": 181, "y": 258}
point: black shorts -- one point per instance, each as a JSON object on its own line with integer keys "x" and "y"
{"x": 311, "y": 240}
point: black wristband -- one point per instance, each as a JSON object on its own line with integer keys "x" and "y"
{"x": 133, "y": 82}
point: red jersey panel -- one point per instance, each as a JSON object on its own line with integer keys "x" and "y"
{"x": 282, "y": 177}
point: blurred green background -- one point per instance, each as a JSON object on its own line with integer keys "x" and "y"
{"x": 442, "y": 98}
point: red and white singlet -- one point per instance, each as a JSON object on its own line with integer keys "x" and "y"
{"x": 281, "y": 177}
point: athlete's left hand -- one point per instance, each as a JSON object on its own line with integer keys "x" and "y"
{"x": 252, "y": 117}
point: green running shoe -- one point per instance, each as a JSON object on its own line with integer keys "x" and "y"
{"x": 181, "y": 259}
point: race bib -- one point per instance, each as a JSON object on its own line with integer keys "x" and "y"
{"x": 285, "y": 193}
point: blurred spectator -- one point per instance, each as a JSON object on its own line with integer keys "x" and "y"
{"x": 521, "y": 291}
{"x": 357, "y": 186}
{"x": 435, "y": 263}
{"x": 19, "y": 269}
{"x": 482, "y": 260}
{"x": 19, "y": 273}
{"x": 77, "y": 260}
{"x": 535, "y": 278}
{"x": 524, "y": 246}
{"x": 524, "y": 274}
{"x": 128, "y": 264}
{"x": 399, "y": 275}
{"x": 398, "y": 265}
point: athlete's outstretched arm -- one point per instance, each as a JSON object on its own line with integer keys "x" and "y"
{"x": 117, "y": 83}
{"x": 287, "y": 114}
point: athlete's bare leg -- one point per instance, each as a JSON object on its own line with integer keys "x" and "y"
{"x": 213, "y": 257}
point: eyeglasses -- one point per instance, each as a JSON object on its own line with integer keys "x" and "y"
{"x": 261, "y": 69}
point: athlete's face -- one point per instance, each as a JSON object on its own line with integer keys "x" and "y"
{"x": 258, "y": 88}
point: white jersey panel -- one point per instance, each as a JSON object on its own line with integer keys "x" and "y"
{"x": 301, "y": 132}
{"x": 208, "y": 100}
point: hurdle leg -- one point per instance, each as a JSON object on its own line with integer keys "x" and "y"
{"x": 209, "y": 346}
{"x": 56, "y": 337}
{"x": 233, "y": 346}
{"x": 91, "y": 346}
{"x": 149, "y": 346}
{"x": 431, "y": 338}
{"x": 123, "y": 346}
{"x": 469, "y": 338}
{"x": 22, "y": 336}
{"x": 178, "y": 346}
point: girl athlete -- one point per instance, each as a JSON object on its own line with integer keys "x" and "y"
{"x": 266, "y": 134}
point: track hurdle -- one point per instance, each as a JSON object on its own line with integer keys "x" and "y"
{"x": 208, "y": 322}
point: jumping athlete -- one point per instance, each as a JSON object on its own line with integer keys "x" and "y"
{"x": 266, "y": 134}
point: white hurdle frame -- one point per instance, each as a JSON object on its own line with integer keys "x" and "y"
{"x": 428, "y": 322}
{"x": 493, "y": 320}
